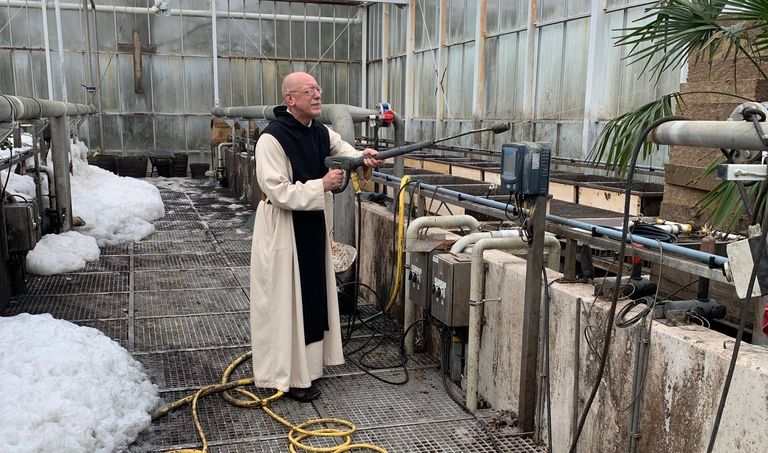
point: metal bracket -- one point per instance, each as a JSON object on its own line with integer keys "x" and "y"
{"x": 742, "y": 172}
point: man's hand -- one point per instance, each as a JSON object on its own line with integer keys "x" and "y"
{"x": 333, "y": 180}
{"x": 369, "y": 158}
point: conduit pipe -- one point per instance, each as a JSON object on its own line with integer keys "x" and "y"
{"x": 411, "y": 235}
{"x": 709, "y": 134}
{"x": 189, "y": 12}
{"x": 466, "y": 241}
{"x": 14, "y": 108}
{"x": 476, "y": 294}
{"x": 707, "y": 258}
{"x": 62, "y": 67}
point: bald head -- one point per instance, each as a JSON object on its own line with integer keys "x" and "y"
{"x": 301, "y": 94}
{"x": 297, "y": 81}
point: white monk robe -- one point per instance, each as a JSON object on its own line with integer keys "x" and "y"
{"x": 280, "y": 357}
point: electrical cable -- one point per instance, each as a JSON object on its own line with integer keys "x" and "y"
{"x": 617, "y": 286}
{"x": 651, "y": 231}
{"x": 545, "y": 371}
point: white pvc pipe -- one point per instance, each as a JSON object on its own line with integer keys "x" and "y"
{"x": 214, "y": 40}
{"x": 476, "y": 294}
{"x": 62, "y": 73}
{"x": 470, "y": 239}
{"x": 47, "y": 49}
{"x": 188, "y": 12}
{"x": 449, "y": 221}
{"x": 709, "y": 134}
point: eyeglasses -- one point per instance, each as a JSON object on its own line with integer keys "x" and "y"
{"x": 310, "y": 91}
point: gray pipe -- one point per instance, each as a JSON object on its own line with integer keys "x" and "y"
{"x": 709, "y": 134}
{"x": 328, "y": 111}
{"x": 707, "y": 258}
{"x": 60, "y": 146}
{"x": 24, "y": 108}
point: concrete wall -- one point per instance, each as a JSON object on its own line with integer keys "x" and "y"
{"x": 687, "y": 365}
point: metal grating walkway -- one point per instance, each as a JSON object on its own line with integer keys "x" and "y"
{"x": 178, "y": 300}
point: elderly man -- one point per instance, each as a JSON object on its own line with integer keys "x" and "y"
{"x": 295, "y": 326}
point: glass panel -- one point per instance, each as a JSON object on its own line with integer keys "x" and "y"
{"x": 298, "y": 48}
{"x": 107, "y": 86}
{"x": 170, "y": 132}
{"x": 5, "y": 34}
{"x": 551, "y": 10}
{"x": 168, "y": 81}
{"x": 104, "y": 36}
{"x": 251, "y": 76}
{"x": 131, "y": 101}
{"x": 199, "y": 84}
{"x": 199, "y": 133}
{"x": 197, "y": 35}
{"x": 71, "y": 27}
{"x": 137, "y": 132}
{"x": 112, "y": 134}
{"x": 166, "y": 34}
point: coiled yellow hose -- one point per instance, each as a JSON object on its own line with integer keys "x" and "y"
{"x": 297, "y": 433}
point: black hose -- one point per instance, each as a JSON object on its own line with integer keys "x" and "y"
{"x": 617, "y": 285}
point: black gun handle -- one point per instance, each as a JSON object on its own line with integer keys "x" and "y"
{"x": 343, "y": 186}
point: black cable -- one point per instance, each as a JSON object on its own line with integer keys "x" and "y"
{"x": 617, "y": 285}
{"x": 653, "y": 232}
{"x": 547, "y": 301}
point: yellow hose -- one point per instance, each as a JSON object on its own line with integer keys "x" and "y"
{"x": 296, "y": 434}
{"x": 400, "y": 243}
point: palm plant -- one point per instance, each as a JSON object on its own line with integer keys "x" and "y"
{"x": 675, "y": 31}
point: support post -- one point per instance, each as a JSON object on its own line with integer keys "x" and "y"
{"x": 531, "y": 319}
{"x": 60, "y": 147}
{"x": 569, "y": 267}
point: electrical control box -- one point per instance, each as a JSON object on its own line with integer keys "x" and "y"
{"x": 450, "y": 288}
{"x": 419, "y": 279}
{"x": 525, "y": 168}
{"x": 22, "y": 226}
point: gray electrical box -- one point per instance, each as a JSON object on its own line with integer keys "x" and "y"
{"x": 22, "y": 226}
{"x": 525, "y": 168}
{"x": 419, "y": 279}
{"x": 450, "y": 288}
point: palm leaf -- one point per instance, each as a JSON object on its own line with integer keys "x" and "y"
{"x": 673, "y": 30}
{"x": 613, "y": 146}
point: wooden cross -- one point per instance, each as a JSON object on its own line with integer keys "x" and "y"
{"x": 137, "y": 47}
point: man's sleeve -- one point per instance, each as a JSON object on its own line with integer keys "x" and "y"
{"x": 273, "y": 173}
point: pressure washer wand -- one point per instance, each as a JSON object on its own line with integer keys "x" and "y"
{"x": 348, "y": 164}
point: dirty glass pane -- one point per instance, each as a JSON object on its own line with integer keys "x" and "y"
{"x": 578, "y": 7}
{"x": 199, "y": 133}
{"x": 71, "y": 26}
{"x": 112, "y": 134}
{"x": 104, "y": 32}
{"x": 252, "y": 81}
{"x": 170, "y": 132}
{"x": 131, "y": 101}
{"x": 168, "y": 81}
{"x": 127, "y": 22}
{"x": 197, "y": 35}
{"x": 137, "y": 132}
{"x": 166, "y": 34}
{"x": 199, "y": 84}
{"x": 107, "y": 85}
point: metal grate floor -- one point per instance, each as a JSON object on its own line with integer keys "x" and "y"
{"x": 178, "y": 300}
